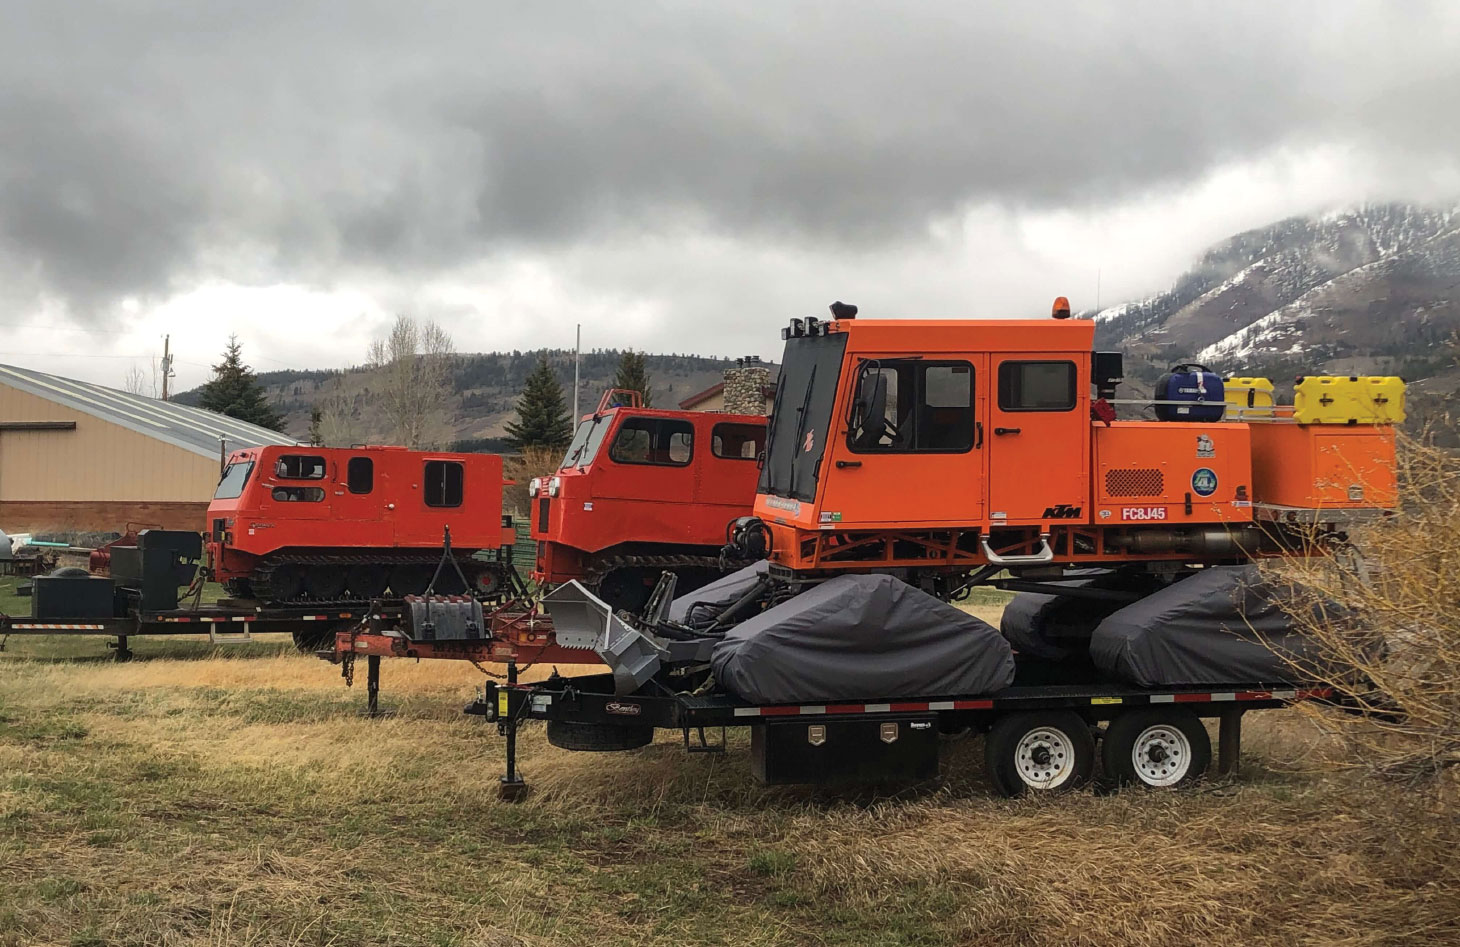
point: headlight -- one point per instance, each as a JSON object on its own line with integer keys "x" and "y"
{"x": 534, "y": 486}
{"x": 554, "y": 485}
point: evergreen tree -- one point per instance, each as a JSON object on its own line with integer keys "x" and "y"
{"x": 542, "y": 414}
{"x": 233, "y": 390}
{"x": 633, "y": 374}
{"x": 316, "y": 425}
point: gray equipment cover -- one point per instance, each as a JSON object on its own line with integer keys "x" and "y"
{"x": 1025, "y": 621}
{"x": 1223, "y": 625}
{"x": 1054, "y": 627}
{"x": 720, "y": 593}
{"x": 860, "y": 637}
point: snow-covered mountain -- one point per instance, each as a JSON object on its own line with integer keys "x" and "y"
{"x": 1374, "y": 289}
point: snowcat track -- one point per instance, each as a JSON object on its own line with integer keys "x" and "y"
{"x": 261, "y": 581}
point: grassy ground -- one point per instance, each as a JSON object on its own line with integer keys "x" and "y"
{"x": 234, "y": 797}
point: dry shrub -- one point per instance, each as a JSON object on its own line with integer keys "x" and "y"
{"x": 532, "y": 462}
{"x": 1400, "y": 578}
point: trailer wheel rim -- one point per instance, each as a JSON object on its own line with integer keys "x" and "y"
{"x": 1045, "y": 758}
{"x": 1161, "y": 755}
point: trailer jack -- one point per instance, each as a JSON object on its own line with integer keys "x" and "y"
{"x": 512, "y": 788}
{"x": 702, "y": 746}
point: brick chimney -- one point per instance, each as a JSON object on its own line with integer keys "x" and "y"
{"x": 745, "y": 386}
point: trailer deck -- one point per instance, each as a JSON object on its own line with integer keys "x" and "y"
{"x": 790, "y": 741}
{"x": 224, "y": 624}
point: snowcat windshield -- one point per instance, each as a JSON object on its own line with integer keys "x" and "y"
{"x": 801, "y": 418}
{"x": 586, "y": 440}
{"x": 234, "y": 477}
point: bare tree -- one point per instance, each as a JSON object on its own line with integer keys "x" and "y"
{"x": 1406, "y": 586}
{"x": 412, "y": 379}
{"x": 339, "y": 423}
{"x": 136, "y": 382}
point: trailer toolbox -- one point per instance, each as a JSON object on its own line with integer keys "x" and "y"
{"x": 1249, "y": 396}
{"x": 1354, "y": 399}
{"x": 1323, "y": 466}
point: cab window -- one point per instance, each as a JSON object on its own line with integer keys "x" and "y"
{"x": 737, "y": 441}
{"x": 360, "y": 475}
{"x": 298, "y": 494}
{"x": 663, "y": 442}
{"x": 912, "y": 406}
{"x": 444, "y": 483}
{"x": 1036, "y": 386}
{"x": 299, "y": 467}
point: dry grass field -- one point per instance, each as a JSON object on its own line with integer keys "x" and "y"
{"x": 234, "y": 797}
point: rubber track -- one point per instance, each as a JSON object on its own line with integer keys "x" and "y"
{"x": 600, "y": 570}
{"x": 263, "y": 590}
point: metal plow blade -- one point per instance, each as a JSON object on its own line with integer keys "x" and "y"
{"x": 583, "y": 620}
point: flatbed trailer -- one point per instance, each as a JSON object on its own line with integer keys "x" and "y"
{"x": 1041, "y": 736}
{"x": 223, "y": 624}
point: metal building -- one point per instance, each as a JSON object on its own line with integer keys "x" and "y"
{"x": 78, "y": 456}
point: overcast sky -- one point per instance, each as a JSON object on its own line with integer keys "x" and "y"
{"x": 674, "y": 176}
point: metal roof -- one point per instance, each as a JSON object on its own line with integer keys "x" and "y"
{"x": 193, "y": 429}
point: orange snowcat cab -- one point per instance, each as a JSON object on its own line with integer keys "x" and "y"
{"x": 953, "y": 450}
{"x": 642, "y": 491}
{"x": 328, "y": 524}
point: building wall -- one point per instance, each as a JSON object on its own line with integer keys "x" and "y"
{"x": 98, "y": 476}
{"x": 714, "y": 402}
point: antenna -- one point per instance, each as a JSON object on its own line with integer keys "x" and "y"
{"x": 577, "y": 354}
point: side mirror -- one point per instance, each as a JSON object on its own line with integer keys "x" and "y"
{"x": 869, "y": 409}
{"x": 863, "y": 396}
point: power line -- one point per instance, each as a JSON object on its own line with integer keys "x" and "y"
{"x": 53, "y": 328}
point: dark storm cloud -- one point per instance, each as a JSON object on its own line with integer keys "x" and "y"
{"x": 147, "y": 143}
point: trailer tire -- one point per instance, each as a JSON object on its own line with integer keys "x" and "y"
{"x": 598, "y": 737}
{"x": 1156, "y": 748}
{"x": 1043, "y": 751}
{"x": 70, "y": 572}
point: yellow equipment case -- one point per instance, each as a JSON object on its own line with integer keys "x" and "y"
{"x": 1355, "y": 399}
{"x": 1248, "y": 396}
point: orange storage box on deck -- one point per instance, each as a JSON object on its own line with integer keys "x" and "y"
{"x": 1323, "y": 466}
{"x": 1175, "y": 472}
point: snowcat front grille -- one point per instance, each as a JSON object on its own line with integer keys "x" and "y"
{"x": 1134, "y": 482}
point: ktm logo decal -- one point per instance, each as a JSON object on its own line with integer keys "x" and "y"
{"x": 1063, "y": 511}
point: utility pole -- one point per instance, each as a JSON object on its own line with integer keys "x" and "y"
{"x": 166, "y": 364}
{"x": 577, "y": 355}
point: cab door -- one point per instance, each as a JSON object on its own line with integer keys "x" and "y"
{"x": 1039, "y": 439}
{"x": 644, "y": 477}
{"x": 359, "y": 512}
{"x": 911, "y": 445}
{"x": 295, "y": 487}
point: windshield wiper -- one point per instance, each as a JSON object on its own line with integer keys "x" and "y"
{"x": 586, "y": 438}
{"x": 801, "y": 428}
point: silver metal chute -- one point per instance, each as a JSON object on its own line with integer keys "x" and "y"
{"x": 583, "y": 620}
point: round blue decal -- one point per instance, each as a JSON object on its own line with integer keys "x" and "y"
{"x": 1204, "y": 482}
